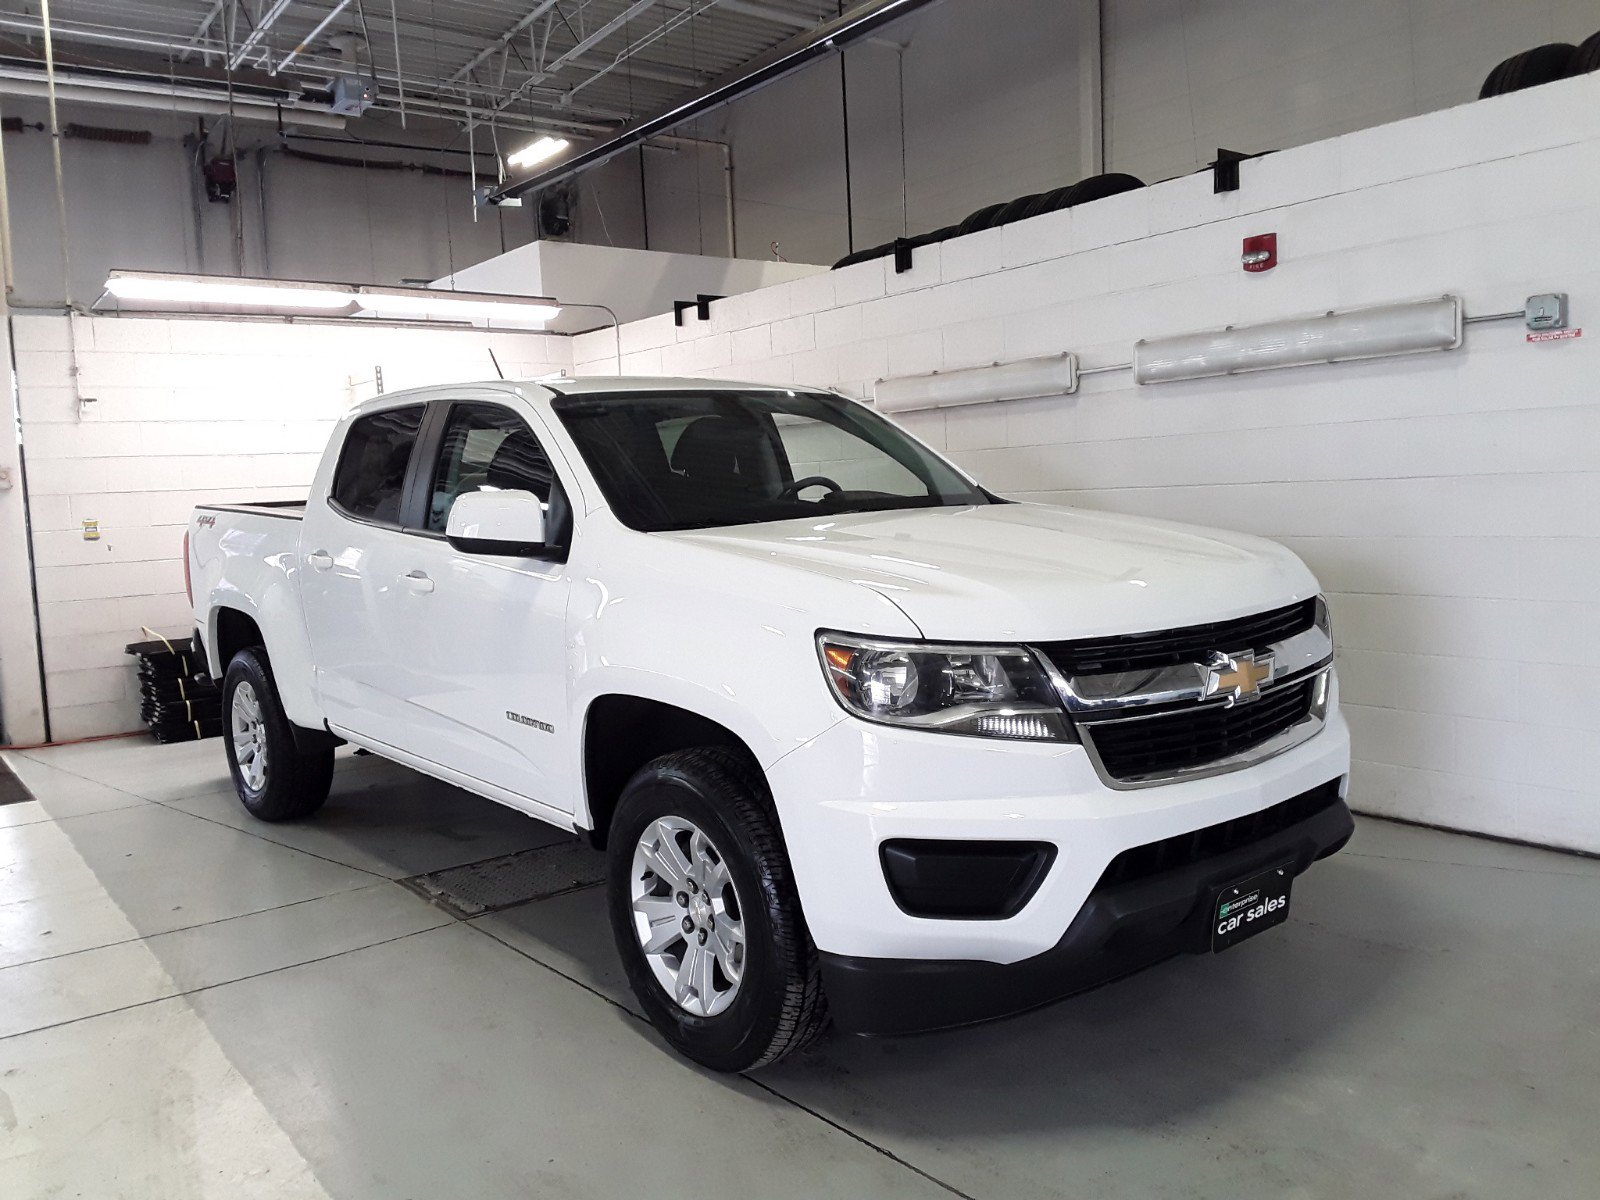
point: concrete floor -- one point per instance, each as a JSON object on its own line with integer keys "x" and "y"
{"x": 193, "y": 1004}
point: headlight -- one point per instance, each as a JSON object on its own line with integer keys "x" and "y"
{"x": 985, "y": 691}
{"x": 1324, "y": 622}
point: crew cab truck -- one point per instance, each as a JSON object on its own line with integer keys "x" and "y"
{"x": 861, "y": 739}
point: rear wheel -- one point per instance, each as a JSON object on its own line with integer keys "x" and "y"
{"x": 705, "y": 913}
{"x": 275, "y": 779}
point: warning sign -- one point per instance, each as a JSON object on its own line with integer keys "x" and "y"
{"x": 1554, "y": 335}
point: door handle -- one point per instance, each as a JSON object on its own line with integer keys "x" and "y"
{"x": 418, "y": 582}
{"x": 320, "y": 559}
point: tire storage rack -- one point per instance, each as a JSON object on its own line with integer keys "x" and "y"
{"x": 177, "y": 699}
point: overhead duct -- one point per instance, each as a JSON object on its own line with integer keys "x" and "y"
{"x": 127, "y": 94}
{"x": 853, "y": 26}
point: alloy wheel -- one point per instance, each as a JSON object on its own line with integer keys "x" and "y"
{"x": 249, "y": 736}
{"x": 687, "y": 916}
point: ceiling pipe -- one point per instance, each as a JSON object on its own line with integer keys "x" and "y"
{"x": 782, "y": 60}
{"x": 89, "y": 90}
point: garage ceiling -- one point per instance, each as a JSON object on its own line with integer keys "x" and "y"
{"x": 561, "y": 65}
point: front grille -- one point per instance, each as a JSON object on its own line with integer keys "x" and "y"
{"x": 1154, "y": 858}
{"x": 1169, "y": 647}
{"x": 1187, "y": 738}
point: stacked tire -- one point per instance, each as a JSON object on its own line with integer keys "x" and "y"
{"x": 990, "y": 216}
{"x": 178, "y": 702}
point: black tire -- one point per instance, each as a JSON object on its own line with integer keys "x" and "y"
{"x": 1542, "y": 64}
{"x": 1017, "y": 209}
{"x": 1587, "y": 57}
{"x": 1098, "y": 187}
{"x": 867, "y": 255}
{"x": 295, "y": 782}
{"x": 943, "y": 234}
{"x": 982, "y": 218}
{"x": 778, "y": 1006}
{"x": 1049, "y": 201}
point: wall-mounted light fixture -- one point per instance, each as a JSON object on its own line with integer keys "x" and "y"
{"x": 1410, "y": 327}
{"x": 228, "y": 291}
{"x": 1055, "y": 375}
{"x": 429, "y": 303}
{"x": 292, "y": 296}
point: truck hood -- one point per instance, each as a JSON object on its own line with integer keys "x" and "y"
{"x": 1030, "y": 572}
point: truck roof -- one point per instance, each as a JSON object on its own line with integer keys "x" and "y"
{"x": 602, "y": 385}
{"x": 563, "y": 385}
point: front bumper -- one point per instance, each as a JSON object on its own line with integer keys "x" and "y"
{"x": 845, "y": 793}
{"x": 1121, "y": 928}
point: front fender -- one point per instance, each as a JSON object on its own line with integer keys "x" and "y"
{"x": 732, "y": 642}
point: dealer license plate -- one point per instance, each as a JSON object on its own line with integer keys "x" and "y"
{"x": 1246, "y": 908}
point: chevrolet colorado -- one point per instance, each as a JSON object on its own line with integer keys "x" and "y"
{"x": 862, "y": 740}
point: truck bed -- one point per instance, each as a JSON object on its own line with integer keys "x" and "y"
{"x": 289, "y": 510}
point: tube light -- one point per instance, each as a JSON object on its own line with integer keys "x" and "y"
{"x": 537, "y": 152}
{"x": 461, "y": 306}
{"x": 1410, "y": 327}
{"x": 1056, "y": 375}
{"x": 228, "y": 291}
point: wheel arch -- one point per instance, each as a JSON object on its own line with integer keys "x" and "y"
{"x": 232, "y": 629}
{"x": 622, "y": 732}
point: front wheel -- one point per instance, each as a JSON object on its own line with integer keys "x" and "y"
{"x": 275, "y": 779}
{"x": 705, "y": 913}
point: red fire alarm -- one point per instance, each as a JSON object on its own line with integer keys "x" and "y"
{"x": 1260, "y": 252}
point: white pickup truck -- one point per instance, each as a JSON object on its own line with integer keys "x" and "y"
{"x": 863, "y": 741}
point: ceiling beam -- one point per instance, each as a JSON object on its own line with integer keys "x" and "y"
{"x": 203, "y": 29}
{"x": 263, "y": 27}
{"x": 338, "y": 7}
{"x": 637, "y": 8}
{"x": 688, "y": 13}
{"x": 504, "y": 40}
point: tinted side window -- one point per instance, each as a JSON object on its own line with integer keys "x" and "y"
{"x": 372, "y": 467}
{"x": 486, "y": 447}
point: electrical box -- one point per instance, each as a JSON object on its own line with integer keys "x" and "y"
{"x": 353, "y": 95}
{"x": 1547, "y": 311}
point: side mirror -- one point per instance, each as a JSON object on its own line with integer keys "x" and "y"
{"x": 509, "y": 523}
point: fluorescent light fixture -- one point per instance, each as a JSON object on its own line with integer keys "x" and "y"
{"x": 537, "y": 152}
{"x": 1056, "y": 375}
{"x": 1410, "y": 327}
{"x": 228, "y": 291}
{"x": 430, "y": 303}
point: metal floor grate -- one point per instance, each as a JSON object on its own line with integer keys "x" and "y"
{"x": 495, "y": 883}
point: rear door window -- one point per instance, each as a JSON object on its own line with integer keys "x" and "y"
{"x": 370, "y": 480}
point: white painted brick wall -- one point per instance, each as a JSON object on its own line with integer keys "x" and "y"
{"x": 1450, "y": 503}
{"x": 186, "y": 412}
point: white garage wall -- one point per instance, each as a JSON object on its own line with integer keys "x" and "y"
{"x": 185, "y": 412}
{"x": 1450, "y": 503}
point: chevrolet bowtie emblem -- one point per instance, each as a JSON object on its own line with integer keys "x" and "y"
{"x": 1238, "y": 676}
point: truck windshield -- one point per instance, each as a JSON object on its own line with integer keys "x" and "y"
{"x": 696, "y": 460}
